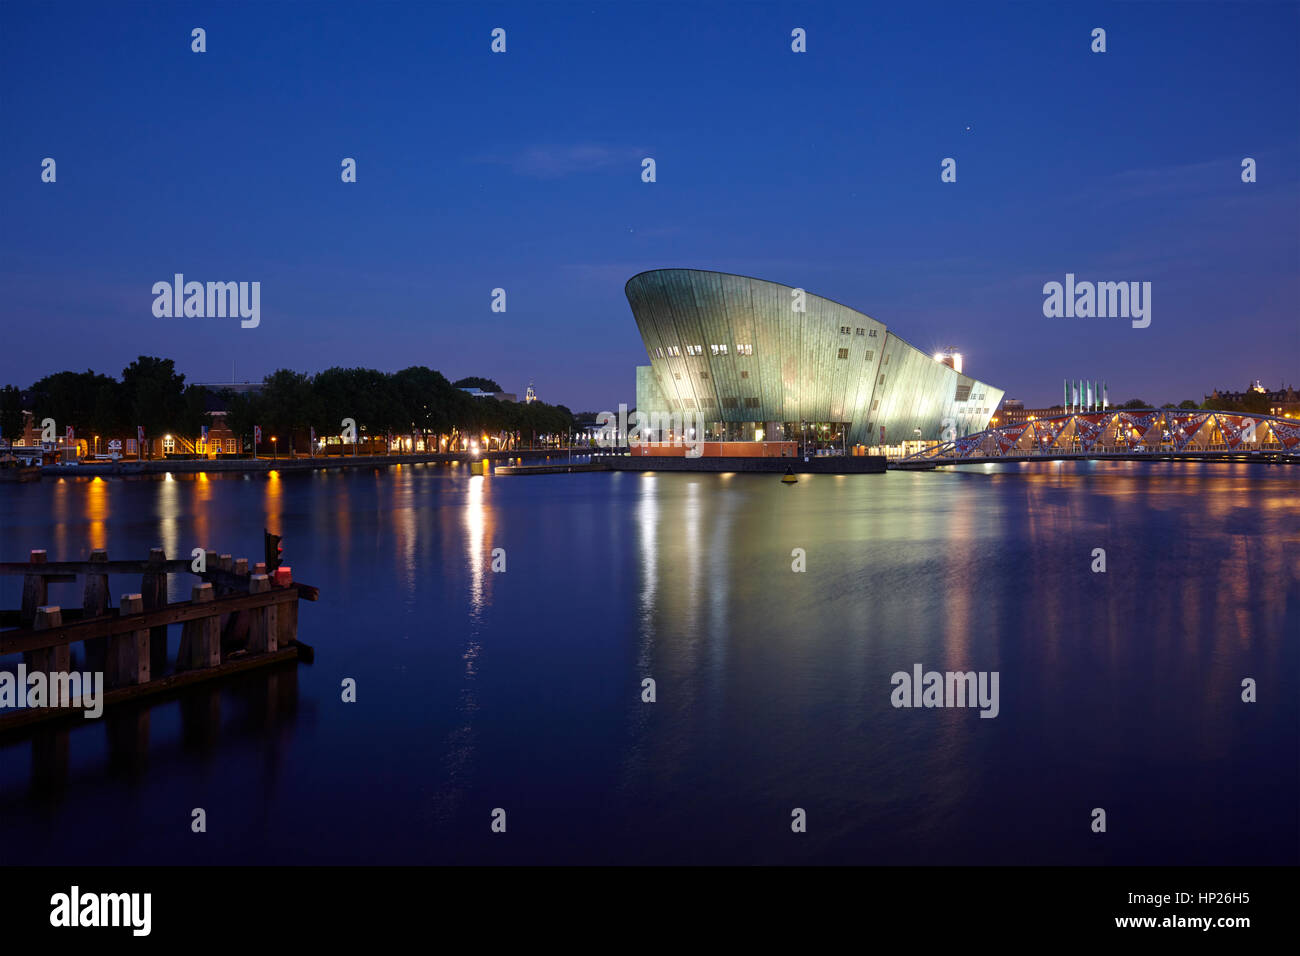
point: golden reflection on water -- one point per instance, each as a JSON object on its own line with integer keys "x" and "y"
{"x": 406, "y": 532}
{"x": 272, "y": 501}
{"x": 59, "y": 513}
{"x": 200, "y": 490}
{"x": 478, "y": 525}
{"x": 97, "y": 513}
{"x": 168, "y": 515}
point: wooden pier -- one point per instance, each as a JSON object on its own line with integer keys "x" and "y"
{"x": 238, "y": 618}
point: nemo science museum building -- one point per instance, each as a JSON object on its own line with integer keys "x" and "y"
{"x": 756, "y": 361}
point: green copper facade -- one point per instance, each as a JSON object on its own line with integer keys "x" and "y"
{"x": 737, "y": 350}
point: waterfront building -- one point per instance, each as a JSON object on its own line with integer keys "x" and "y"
{"x": 1013, "y": 412}
{"x": 759, "y": 361}
{"x": 1283, "y": 402}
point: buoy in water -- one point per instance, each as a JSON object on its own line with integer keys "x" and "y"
{"x": 788, "y": 478}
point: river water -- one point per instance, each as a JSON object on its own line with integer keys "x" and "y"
{"x": 522, "y": 689}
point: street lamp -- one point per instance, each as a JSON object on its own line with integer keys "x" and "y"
{"x": 274, "y": 452}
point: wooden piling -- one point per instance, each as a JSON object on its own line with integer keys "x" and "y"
{"x": 134, "y": 634}
{"x": 226, "y": 564}
{"x": 95, "y": 597}
{"x": 287, "y": 623}
{"x": 264, "y": 624}
{"x": 153, "y": 589}
{"x": 94, "y": 603}
{"x": 128, "y": 654}
{"x": 35, "y": 591}
{"x": 200, "y": 639}
{"x": 51, "y": 660}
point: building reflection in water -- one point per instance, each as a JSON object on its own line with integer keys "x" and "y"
{"x": 771, "y": 685}
{"x": 976, "y": 569}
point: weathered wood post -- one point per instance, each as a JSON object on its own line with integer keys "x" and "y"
{"x": 128, "y": 654}
{"x": 234, "y": 633}
{"x": 51, "y": 660}
{"x": 224, "y": 563}
{"x": 153, "y": 589}
{"x": 35, "y": 592}
{"x": 94, "y": 603}
{"x": 287, "y": 613}
{"x": 264, "y": 625}
{"x": 200, "y": 639}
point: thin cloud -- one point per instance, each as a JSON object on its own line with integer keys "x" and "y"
{"x": 554, "y": 162}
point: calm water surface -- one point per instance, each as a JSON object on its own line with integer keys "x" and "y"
{"x": 521, "y": 690}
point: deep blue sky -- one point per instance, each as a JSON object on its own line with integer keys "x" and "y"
{"x": 522, "y": 171}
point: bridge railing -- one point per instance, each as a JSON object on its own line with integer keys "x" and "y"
{"x": 1153, "y": 432}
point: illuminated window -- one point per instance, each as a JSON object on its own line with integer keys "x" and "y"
{"x": 719, "y": 349}
{"x": 844, "y": 353}
{"x": 695, "y": 350}
{"x": 169, "y": 444}
{"x": 675, "y": 351}
{"x": 744, "y": 350}
{"x": 660, "y": 352}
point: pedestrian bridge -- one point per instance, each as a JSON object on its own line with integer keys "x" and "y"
{"x": 1138, "y": 434}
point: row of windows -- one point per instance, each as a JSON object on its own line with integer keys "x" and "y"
{"x": 871, "y": 353}
{"x": 728, "y": 401}
{"x": 674, "y": 351}
{"x": 721, "y": 349}
{"x": 844, "y": 330}
{"x": 704, "y": 375}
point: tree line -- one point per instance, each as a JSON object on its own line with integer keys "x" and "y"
{"x": 151, "y": 393}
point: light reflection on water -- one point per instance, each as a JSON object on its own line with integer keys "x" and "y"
{"x": 523, "y": 689}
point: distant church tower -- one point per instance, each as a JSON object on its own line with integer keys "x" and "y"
{"x": 531, "y": 394}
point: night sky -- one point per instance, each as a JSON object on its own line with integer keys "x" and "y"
{"x": 523, "y": 171}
